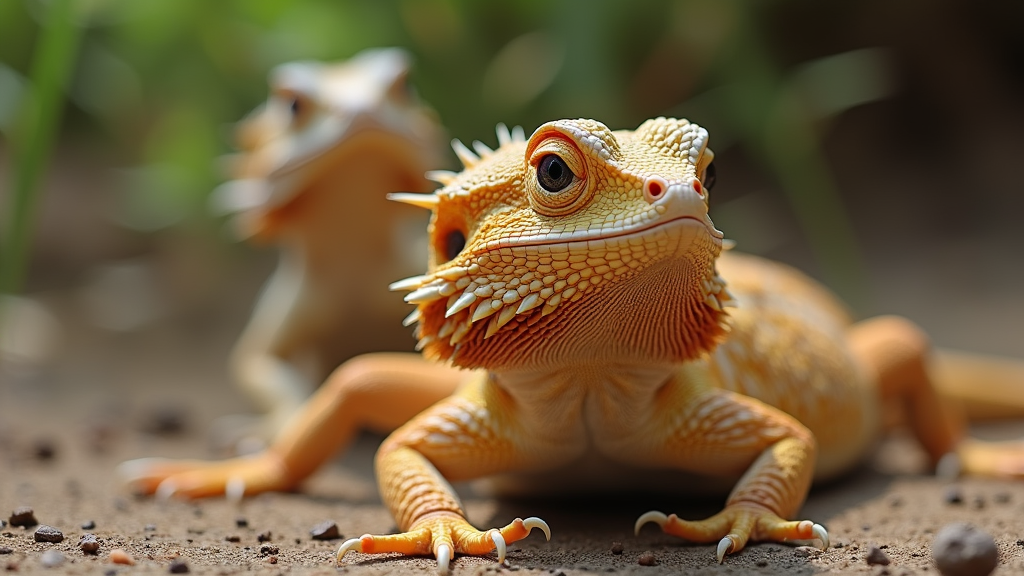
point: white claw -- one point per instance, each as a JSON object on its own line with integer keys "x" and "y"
{"x": 166, "y": 490}
{"x": 724, "y": 547}
{"x": 350, "y": 544}
{"x": 444, "y": 557}
{"x": 234, "y": 490}
{"x": 658, "y": 518}
{"x": 821, "y": 534}
{"x": 534, "y": 522}
{"x": 499, "y": 545}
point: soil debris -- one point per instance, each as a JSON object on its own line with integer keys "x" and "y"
{"x": 88, "y": 525}
{"x": 89, "y": 544}
{"x": 48, "y": 534}
{"x": 178, "y": 566}
{"x": 24, "y": 517}
{"x": 647, "y": 559}
{"x": 265, "y": 536}
{"x": 616, "y": 548}
{"x": 962, "y": 550}
{"x": 876, "y": 557}
{"x": 327, "y": 530}
{"x": 268, "y": 550}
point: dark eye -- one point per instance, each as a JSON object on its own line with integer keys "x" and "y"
{"x": 454, "y": 242}
{"x": 553, "y": 173}
{"x": 709, "y": 176}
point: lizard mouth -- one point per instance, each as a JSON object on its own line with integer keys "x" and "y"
{"x": 588, "y": 235}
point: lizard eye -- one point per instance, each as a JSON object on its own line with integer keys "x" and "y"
{"x": 454, "y": 242}
{"x": 709, "y": 177}
{"x": 553, "y": 174}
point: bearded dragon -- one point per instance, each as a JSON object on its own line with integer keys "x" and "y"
{"x": 579, "y": 279}
{"x": 315, "y": 164}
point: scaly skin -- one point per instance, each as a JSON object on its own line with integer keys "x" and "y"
{"x": 593, "y": 312}
{"x": 330, "y": 143}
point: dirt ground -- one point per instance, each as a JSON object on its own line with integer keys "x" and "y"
{"x": 63, "y": 430}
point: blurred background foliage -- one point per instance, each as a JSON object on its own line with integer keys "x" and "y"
{"x": 154, "y": 86}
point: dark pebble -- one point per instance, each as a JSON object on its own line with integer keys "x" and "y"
{"x": 233, "y": 538}
{"x": 616, "y": 548}
{"x": 978, "y": 502}
{"x": 647, "y": 559}
{"x": 895, "y": 502}
{"x": 178, "y": 566}
{"x": 24, "y": 517}
{"x": 48, "y": 534}
{"x": 761, "y": 563}
{"x": 963, "y": 550}
{"x": 264, "y": 536}
{"x": 272, "y": 560}
{"x": 44, "y": 449}
{"x": 165, "y": 421}
{"x": 5, "y": 550}
{"x": 241, "y": 522}
{"x": 89, "y": 544}
{"x": 88, "y": 525}
{"x": 953, "y": 495}
{"x": 268, "y": 549}
{"x": 1002, "y": 497}
{"x": 876, "y": 557}
{"x": 325, "y": 531}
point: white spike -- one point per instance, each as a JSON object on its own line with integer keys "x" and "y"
{"x": 444, "y": 558}
{"x": 531, "y": 301}
{"x": 711, "y": 301}
{"x": 428, "y": 201}
{"x": 461, "y": 304}
{"x": 442, "y": 177}
{"x": 658, "y": 518}
{"x": 453, "y": 273}
{"x": 460, "y": 332}
{"x": 446, "y": 329}
{"x": 412, "y": 318}
{"x": 499, "y": 545}
{"x": 466, "y": 156}
{"x": 483, "y": 150}
{"x": 518, "y": 135}
{"x": 350, "y": 544}
{"x": 550, "y": 304}
{"x": 483, "y": 311}
{"x": 410, "y": 283}
{"x": 728, "y": 244}
{"x": 506, "y": 315}
{"x": 503, "y": 135}
{"x": 534, "y": 522}
{"x": 424, "y": 295}
{"x": 725, "y": 545}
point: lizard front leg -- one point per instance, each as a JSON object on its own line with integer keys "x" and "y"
{"x": 475, "y": 433}
{"x": 717, "y": 432}
{"x": 379, "y": 392}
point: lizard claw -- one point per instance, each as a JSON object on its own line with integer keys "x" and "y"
{"x": 725, "y": 545}
{"x": 534, "y": 522}
{"x": 499, "y": 545}
{"x": 166, "y": 490}
{"x": 821, "y": 534}
{"x": 444, "y": 557}
{"x": 658, "y": 518}
{"x": 234, "y": 490}
{"x": 350, "y": 544}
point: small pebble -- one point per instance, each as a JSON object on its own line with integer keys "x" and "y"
{"x": 953, "y": 495}
{"x": 1002, "y": 497}
{"x": 89, "y": 544}
{"x": 119, "y": 556}
{"x": 165, "y": 421}
{"x": 5, "y": 550}
{"x": 52, "y": 559}
{"x": 647, "y": 559}
{"x": 264, "y": 536}
{"x": 876, "y": 557}
{"x": 616, "y": 548}
{"x": 24, "y": 517}
{"x": 963, "y": 550}
{"x": 44, "y": 449}
{"x": 233, "y": 538}
{"x": 48, "y": 534}
{"x": 3, "y": 523}
{"x": 150, "y": 528}
{"x": 178, "y": 566}
{"x": 268, "y": 549}
{"x": 88, "y": 525}
{"x": 978, "y": 502}
{"x": 327, "y": 530}
{"x": 241, "y": 522}
{"x": 272, "y": 560}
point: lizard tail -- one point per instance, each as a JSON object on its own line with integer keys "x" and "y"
{"x": 987, "y": 387}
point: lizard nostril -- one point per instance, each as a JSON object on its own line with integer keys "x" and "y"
{"x": 654, "y": 188}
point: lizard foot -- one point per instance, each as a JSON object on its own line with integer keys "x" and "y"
{"x": 734, "y": 526}
{"x": 444, "y": 535}
{"x": 233, "y": 478}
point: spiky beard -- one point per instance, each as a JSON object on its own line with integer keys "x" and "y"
{"x": 657, "y": 300}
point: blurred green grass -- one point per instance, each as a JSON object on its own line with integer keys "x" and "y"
{"x": 157, "y": 84}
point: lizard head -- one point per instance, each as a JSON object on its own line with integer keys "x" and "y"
{"x": 579, "y": 243}
{"x": 313, "y": 111}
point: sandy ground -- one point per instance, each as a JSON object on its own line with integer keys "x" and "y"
{"x": 92, "y": 409}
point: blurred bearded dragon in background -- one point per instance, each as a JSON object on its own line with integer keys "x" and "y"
{"x": 606, "y": 334}
{"x": 315, "y": 163}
